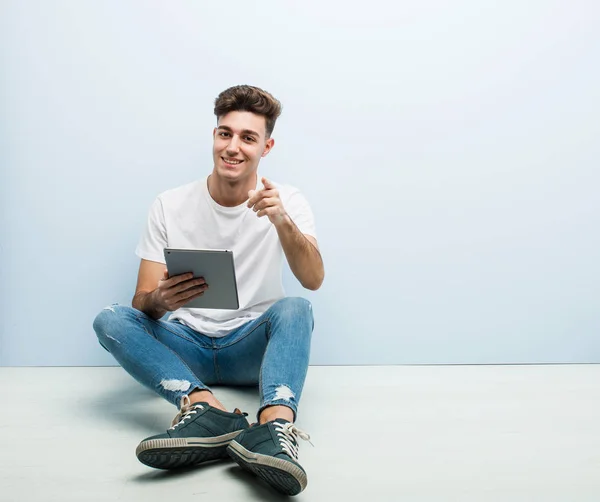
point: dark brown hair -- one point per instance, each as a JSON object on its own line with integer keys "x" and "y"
{"x": 246, "y": 98}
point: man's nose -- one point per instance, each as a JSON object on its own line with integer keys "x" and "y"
{"x": 234, "y": 145}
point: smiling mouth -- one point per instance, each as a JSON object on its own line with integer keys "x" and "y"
{"x": 232, "y": 162}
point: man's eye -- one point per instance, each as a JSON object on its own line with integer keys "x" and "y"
{"x": 249, "y": 138}
{"x": 223, "y": 134}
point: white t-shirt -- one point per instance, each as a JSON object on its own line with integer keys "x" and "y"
{"x": 187, "y": 217}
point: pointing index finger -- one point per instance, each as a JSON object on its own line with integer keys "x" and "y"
{"x": 267, "y": 184}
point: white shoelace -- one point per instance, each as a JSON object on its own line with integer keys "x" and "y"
{"x": 288, "y": 435}
{"x": 187, "y": 409}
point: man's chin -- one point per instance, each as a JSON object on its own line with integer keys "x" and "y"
{"x": 230, "y": 173}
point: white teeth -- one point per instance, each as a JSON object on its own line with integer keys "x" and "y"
{"x": 229, "y": 161}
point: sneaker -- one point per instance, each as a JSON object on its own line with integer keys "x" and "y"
{"x": 270, "y": 451}
{"x": 198, "y": 433}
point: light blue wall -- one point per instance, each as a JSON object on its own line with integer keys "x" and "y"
{"x": 450, "y": 151}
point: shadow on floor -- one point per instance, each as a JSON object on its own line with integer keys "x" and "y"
{"x": 260, "y": 489}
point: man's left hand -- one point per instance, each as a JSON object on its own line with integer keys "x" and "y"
{"x": 266, "y": 202}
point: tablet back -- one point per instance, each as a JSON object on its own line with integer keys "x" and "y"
{"x": 217, "y": 268}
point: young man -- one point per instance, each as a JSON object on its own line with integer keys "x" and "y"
{"x": 265, "y": 342}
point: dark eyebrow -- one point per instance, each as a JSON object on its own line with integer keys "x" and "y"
{"x": 244, "y": 132}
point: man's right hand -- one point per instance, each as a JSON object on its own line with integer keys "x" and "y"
{"x": 174, "y": 292}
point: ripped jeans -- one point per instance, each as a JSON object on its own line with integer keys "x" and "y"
{"x": 173, "y": 360}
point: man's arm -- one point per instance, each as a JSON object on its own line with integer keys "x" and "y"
{"x": 301, "y": 251}
{"x": 156, "y": 293}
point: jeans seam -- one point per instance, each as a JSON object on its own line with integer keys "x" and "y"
{"x": 266, "y": 320}
{"x": 216, "y": 365}
{"x": 262, "y": 362}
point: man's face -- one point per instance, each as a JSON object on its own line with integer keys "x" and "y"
{"x": 239, "y": 142}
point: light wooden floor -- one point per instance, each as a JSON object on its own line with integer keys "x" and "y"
{"x": 395, "y": 433}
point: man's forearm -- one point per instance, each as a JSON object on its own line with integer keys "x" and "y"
{"x": 144, "y": 302}
{"x": 303, "y": 257}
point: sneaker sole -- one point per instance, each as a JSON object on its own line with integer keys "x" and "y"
{"x": 286, "y": 477}
{"x": 174, "y": 453}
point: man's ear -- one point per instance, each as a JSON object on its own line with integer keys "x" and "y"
{"x": 214, "y": 132}
{"x": 268, "y": 146}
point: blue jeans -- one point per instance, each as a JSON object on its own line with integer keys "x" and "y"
{"x": 173, "y": 360}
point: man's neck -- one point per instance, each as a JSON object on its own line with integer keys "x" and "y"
{"x": 230, "y": 194}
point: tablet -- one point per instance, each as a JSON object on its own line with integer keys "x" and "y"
{"x": 217, "y": 268}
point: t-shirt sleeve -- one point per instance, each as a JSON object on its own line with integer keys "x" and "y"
{"x": 301, "y": 214}
{"x": 154, "y": 238}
